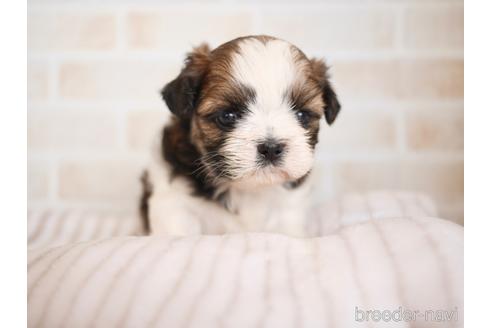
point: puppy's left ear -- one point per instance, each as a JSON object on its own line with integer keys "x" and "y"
{"x": 332, "y": 106}
{"x": 181, "y": 94}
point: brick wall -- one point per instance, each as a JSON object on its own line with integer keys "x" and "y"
{"x": 95, "y": 68}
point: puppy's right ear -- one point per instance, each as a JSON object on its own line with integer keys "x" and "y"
{"x": 181, "y": 94}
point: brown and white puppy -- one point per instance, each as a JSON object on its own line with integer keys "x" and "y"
{"x": 240, "y": 146}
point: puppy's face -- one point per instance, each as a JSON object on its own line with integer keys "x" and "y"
{"x": 254, "y": 107}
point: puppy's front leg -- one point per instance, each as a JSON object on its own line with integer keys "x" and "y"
{"x": 169, "y": 216}
{"x": 294, "y": 223}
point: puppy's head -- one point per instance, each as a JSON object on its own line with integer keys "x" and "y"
{"x": 253, "y": 106}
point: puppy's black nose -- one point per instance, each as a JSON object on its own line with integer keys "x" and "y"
{"x": 271, "y": 151}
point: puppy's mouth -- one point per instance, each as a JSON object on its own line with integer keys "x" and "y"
{"x": 265, "y": 176}
{"x": 272, "y": 171}
{"x": 284, "y": 174}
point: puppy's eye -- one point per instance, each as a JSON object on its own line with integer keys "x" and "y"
{"x": 303, "y": 117}
{"x": 227, "y": 118}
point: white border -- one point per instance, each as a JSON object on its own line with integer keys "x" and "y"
{"x": 13, "y": 249}
{"x": 478, "y": 163}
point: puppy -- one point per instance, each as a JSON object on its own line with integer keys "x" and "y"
{"x": 238, "y": 151}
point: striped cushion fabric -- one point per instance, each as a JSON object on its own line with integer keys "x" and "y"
{"x": 47, "y": 227}
{"x": 254, "y": 280}
{"x": 352, "y": 208}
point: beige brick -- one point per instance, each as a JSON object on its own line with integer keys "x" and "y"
{"x": 429, "y": 27}
{"x": 144, "y": 126}
{"x": 363, "y": 176}
{"x": 100, "y": 181}
{"x": 71, "y": 130}
{"x": 38, "y": 179}
{"x": 365, "y": 80}
{"x": 358, "y": 131}
{"x": 430, "y": 131}
{"x": 444, "y": 181}
{"x": 63, "y": 30}
{"x": 334, "y": 29}
{"x": 182, "y": 29}
{"x": 37, "y": 81}
{"x": 116, "y": 80}
{"x": 417, "y": 79}
{"x": 430, "y": 79}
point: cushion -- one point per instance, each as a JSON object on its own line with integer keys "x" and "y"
{"x": 393, "y": 267}
{"x": 49, "y": 227}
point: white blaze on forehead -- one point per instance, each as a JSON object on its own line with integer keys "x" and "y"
{"x": 269, "y": 68}
{"x": 271, "y": 71}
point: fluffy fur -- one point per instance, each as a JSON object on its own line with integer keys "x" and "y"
{"x": 237, "y": 154}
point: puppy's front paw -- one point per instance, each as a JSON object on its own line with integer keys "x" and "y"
{"x": 174, "y": 223}
{"x": 176, "y": 226}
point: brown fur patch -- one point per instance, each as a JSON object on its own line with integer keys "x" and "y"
{"x": 218, "y": 92}
{"x": 144, "y": 201}
{"x": 184, "y": 158}
{"x": 319, "y": 70}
